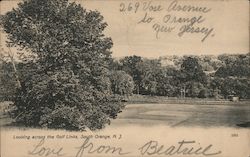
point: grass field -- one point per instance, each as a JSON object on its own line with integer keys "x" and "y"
{"x": 189, "y": 112}
{"x": 187, "y": 115}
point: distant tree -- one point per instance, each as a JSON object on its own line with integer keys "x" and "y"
{"x": 237, "y": 87}
{"x": 171, "y": 61}
{"x": 192, "y": 70}
{"x": 234, "y": 75}
{"x": 227, "y": 58}
{"x": 204, "y": 93}
{"x": 115, "y": 64}
{"x": 66, "y": 83}
{"x": 215, "y": 85}
{"x": 149, "y": 70}
{"x": 121, "y": 83}
{"x": 166, "y": 83}
{"x": 130, "y": 66}
{"x": 193, "y": 89}
{"x": 234, "y": 65}
{"x": 191, "y": 77}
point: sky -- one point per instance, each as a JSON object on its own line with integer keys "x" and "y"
{"x": 228, "y": 20}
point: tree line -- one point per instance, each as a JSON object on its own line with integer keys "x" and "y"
{"x": 204, "y": 76}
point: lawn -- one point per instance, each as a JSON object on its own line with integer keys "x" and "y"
{"x": 188, "y": 115}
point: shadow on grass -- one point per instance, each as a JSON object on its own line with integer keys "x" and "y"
{"x": 244, "y": 125}
{"x": 14, "y": 125}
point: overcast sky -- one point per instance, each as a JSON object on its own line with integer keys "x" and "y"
{"x": 229, "y": 20}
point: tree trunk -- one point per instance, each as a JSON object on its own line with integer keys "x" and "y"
{"x": 14, "y": 67}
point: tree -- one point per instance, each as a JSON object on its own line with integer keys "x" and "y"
{"x": 193, "y": 70}
{"x": 234, "y": 65}
{"x": 130, "y": 66}
{"x": 215, "y": 85}
{"x": 195, "y": 89}
{"x": 67, "y": 83}
{"x": 149, "y": 70}
{"x": 191, "y": 76}
{"x": 234, "y": 75}
{"x": 121, "y": 83}
{"x": 166, "y": 82}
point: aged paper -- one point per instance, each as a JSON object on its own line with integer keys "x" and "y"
{"x": 174, "y": 122}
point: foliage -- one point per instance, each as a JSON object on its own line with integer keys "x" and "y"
{"x": 197, "y": 76}
{"x": 149, "y": 70}
{"x": 7, "y": 81}
{"x": 192, "y": 70}
{"x": 232, "y": 86}
{"x": 130, "y": 66}
{"x": 65, "y": 84}
{"x": 121, "y": 83}
{"x": 234, "y": 65}
{"x": 165, "y": 84}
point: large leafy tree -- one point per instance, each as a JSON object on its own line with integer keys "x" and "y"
{"x": 66, "y": 82}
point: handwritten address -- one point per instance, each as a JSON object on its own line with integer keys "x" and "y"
{"x": 180, "y": 18}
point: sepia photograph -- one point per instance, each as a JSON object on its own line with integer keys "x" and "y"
{"x": 124, "y": 78}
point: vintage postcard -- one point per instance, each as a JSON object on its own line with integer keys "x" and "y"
{"x": 124, "y": 78}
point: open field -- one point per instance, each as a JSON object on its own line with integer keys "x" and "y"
{"x": 185, "y": 115}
